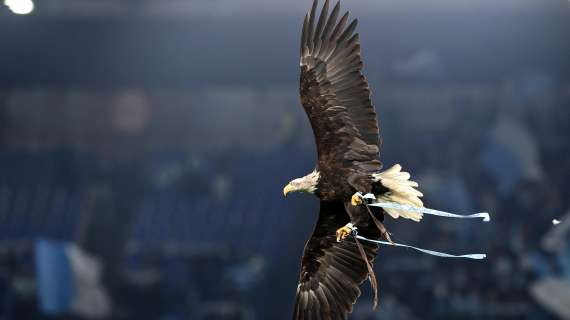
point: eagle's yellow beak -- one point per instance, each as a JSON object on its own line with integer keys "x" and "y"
{"x": 288, "y": 188}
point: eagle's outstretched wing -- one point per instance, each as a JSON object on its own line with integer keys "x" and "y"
{"x": 335, "y": 94}
{"x": 331, "y": 271}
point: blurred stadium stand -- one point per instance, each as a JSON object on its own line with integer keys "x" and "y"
{"x": 155, "y": 137}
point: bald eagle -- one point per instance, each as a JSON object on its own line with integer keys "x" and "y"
{"x": 336, "y": 98}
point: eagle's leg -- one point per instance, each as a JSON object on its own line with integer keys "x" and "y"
{"x": 344, "y": 232}
{"x": 356, "y": 199}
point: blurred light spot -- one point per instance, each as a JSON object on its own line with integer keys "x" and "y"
{"x": 423, "y": 63}
{"x": 221, "y": 187}
{"x": 20, "y": 6}
{"x": 131, "y": 111}
{"x": 555, "y": 222}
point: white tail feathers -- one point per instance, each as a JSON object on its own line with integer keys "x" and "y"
{"x": 402, "y": 191}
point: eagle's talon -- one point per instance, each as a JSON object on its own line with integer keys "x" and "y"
{"x": 356, "y": 199}
{"x": 344, "y": 232}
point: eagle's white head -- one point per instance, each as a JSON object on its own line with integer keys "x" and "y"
{"x": 306, "y": 184}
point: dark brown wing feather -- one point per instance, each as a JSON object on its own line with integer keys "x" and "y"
{"x": 335, "y": 94}
{"x": 332, "y": 272}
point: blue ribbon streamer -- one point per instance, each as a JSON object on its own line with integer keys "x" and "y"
{"x": 475, "y": 256}
{"x": 392, "y": 205}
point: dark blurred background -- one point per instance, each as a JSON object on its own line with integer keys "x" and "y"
{"x": 144, "y": 146}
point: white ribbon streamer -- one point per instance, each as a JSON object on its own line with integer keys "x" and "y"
{"x": 392, "y": 205}
{"x": 476, "y": 256}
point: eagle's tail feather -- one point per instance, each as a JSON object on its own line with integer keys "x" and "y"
{"x": 402, "y": 190}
